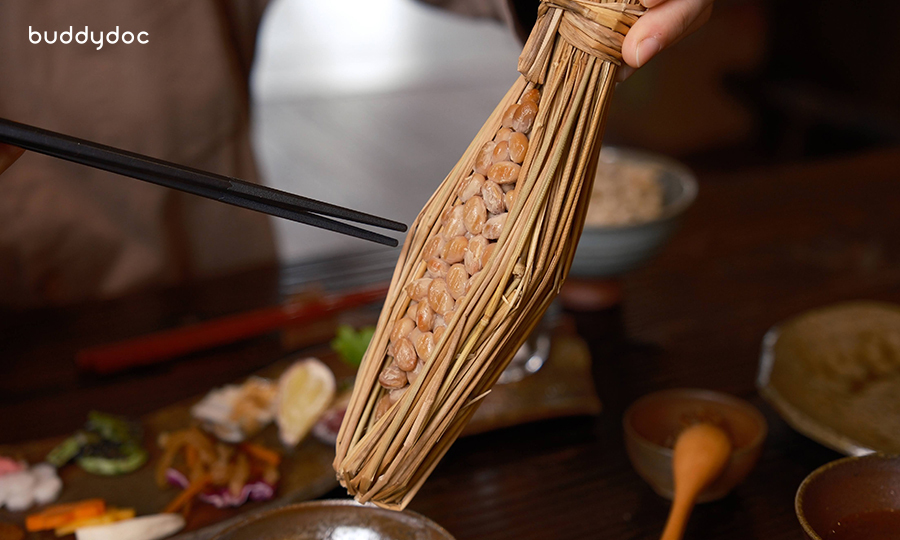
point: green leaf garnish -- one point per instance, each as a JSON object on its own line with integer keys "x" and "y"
{"x": 351, "y": 344}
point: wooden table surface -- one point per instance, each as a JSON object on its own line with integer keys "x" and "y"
{"x": 757, "y": 247}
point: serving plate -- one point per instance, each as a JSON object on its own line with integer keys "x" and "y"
{"x": 833, "y": 374}
{"x": 563, "y": 387}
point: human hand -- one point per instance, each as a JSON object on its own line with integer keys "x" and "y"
{"x": 8, "y": 155}
{"x": 663, "y": 24}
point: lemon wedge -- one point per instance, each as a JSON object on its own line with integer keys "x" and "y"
{"x": 305, "y": 391}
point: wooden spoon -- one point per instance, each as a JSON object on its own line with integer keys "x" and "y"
{"x": 701, "y": 453}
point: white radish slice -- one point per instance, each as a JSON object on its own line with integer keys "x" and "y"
{"x": 47, "y": 489}
{"x": 42, "y": 471}
{"x": 18, "y": 502}
{"x": 17, "y": 488}
{"x": 152, "y": 527}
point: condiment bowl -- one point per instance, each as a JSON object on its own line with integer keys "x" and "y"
{"x": 837, "y": 498}
{"x": 610, "y": 251}
{"x": 653, "y": 422}
{"x": 333, "y": 520}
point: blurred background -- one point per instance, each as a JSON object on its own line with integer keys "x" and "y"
{"x": 369, "y": 105}
{"x": 758, "y": 85}
{"x": 789, "y": 119}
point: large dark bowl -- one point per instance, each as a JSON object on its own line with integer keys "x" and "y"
{"x": 335, "y": 520}
{"x": 845, "y": 488}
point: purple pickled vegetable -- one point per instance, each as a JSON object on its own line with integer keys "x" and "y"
{"x": 220, "y": 497}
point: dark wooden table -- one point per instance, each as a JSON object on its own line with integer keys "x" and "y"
{"x": 757, "y": 247}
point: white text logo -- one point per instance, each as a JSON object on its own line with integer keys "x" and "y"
{"x": 83, "y": 36}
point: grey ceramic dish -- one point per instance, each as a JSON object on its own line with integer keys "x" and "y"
{"x": 796, "y": 416}
{"x": 611, "y": 251}
{"x": 821, "y": 404}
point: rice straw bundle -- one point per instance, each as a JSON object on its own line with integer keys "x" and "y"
{"x": 509, "y": 229}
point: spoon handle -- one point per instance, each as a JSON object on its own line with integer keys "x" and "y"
{"x": 678, "y": 516}
{"x": 701, "y": 454}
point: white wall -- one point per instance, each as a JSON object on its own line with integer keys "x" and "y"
{"x": 369, "y": 104}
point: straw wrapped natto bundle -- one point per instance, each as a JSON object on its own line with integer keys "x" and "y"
{"x": 486, "y": 255}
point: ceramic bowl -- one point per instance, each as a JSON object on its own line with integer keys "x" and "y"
{"x": 839, "y": 496}
{"x": 822, "y": 372}
{"x": 654, "y": 421}
{"x": 335, "y": 520}
{"x": 606, "y": 252}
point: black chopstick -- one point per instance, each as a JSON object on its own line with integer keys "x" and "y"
{"x": 205, "y": 184}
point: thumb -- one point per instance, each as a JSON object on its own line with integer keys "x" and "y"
{"x": 662, "y": 26}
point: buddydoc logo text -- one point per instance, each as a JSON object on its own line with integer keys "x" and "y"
{"x": 82, "y": 37}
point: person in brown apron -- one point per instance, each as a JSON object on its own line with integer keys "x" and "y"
{"x": 68, "y": 232}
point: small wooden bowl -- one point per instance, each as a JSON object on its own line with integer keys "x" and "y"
{"x": 847, "y": 487}
{"x": 656, "y": 419}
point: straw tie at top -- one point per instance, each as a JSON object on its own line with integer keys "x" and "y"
{"x": 593, "y": 26}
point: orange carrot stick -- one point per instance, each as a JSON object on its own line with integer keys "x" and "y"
{"x": 190, "y": 456}
{"x": 262, "y": 453}
{"x": 188, "y": 506}
{"x": 61, "y": 514}
{"x": 189, "y": 492}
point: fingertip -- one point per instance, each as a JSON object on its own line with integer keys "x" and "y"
{"x": 629, "y": 48}
{"x": 641, "y": 49}
{"x": 665, "y": 24}
{"x": 646, "y": 49}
